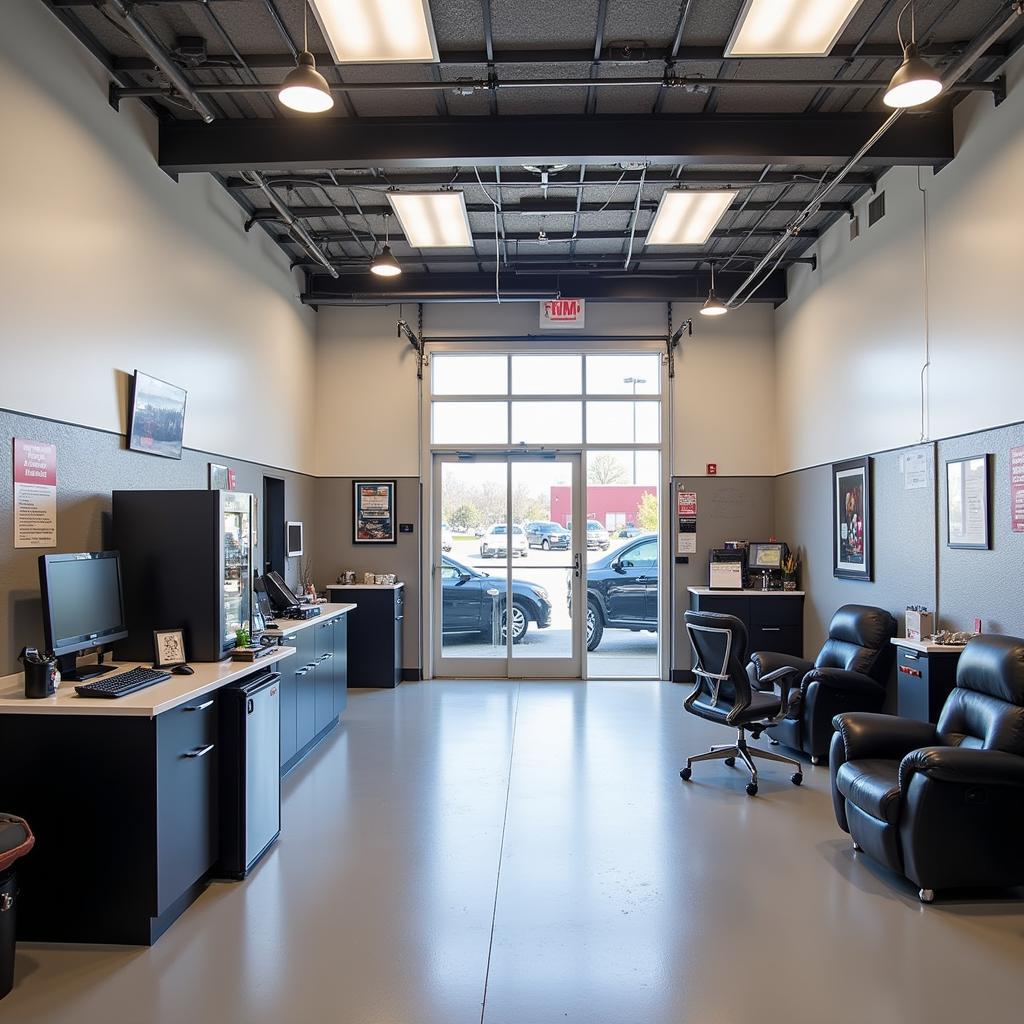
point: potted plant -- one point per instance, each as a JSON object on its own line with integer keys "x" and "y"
{"x": 242, "y": 637}
{"x": 790, "y": 567}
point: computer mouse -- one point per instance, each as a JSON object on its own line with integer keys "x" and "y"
{"x": 183, "y": 670}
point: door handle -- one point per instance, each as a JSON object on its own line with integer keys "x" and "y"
{"x": 200, "y": 751}
{"x": 577, "y": 566}
{"x": 200, "y": 707}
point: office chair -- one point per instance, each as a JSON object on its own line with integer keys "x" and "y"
{"x": 942, "y": 805}
{"x": 849, "y": 674}
{"x": 723, "y": 693}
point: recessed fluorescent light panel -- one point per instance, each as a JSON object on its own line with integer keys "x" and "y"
{"x": 687, "y": 218}
{"x": 789, "y": 28}
{"x": 433, "y": 220}
{"x": 377, "y": 31}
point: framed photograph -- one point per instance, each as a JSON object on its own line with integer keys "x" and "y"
{"x": 373, "y": 512}
{"x": 156, "y": 420}
{"x": 967, "y": 507}
{"x": 168, "y": 648}
{"x": 218, "y": 477}
{"x": 851, "y": 519}
{"x": 293, "y": 539}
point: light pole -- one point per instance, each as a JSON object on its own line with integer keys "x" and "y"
{"x": 634, "y": 381}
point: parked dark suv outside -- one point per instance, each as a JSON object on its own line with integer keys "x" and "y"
{"x": 548, "y": 536}
{"x": 622, "y": 590}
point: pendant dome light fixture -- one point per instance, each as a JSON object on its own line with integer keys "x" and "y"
{"x": 304, "y": 88}
{"x": 713, "y": 305}
{"x": 915, "y": 81}
{"x": 385, "y": 265}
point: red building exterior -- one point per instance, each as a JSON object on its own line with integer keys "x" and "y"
{"x": 612, "y": 505}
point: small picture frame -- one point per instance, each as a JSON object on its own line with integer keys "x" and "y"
{"x": 967, "y": 505}
{"x": 156, "y": 416}
{"x": 218, "y": 477}
{"x": 168, "y": 648}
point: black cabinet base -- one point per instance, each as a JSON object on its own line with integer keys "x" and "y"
{"x": 300, "y": 755}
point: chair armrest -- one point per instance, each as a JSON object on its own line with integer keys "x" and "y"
{"x": 965, "y": 765}
{"x": 866, "y": 734}
{"x": 766, "y": 662}
{"x": 841, "y": 679}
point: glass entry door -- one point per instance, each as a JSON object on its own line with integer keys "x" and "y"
{"x": 508, "y": 565}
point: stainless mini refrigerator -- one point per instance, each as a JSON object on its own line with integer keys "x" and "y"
{"x": 250, "y": 805}
{"x": 186, "y": 562}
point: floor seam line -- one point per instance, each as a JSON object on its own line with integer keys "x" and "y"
{"x": 501, "y": 852}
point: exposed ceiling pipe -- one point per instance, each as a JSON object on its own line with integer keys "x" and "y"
{"x": 986, "y": 38}
{"x": 161, "y": 58}
{"x": 468, "y": 86}
{"x": 298, "y": 232}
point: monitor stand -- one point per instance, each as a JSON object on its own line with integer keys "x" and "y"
{"x": 75, "y": 673}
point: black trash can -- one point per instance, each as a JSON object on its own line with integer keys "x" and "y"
{"x": 8, "y": 906}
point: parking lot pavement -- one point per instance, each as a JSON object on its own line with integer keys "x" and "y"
{"x": 621, "y": 652}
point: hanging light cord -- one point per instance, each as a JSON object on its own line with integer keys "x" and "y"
{"x": 925, "y": 425}
{"x": 913, "y": 24}
{"x": 497, "y": 257}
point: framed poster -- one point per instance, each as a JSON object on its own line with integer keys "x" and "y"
{"x": 851, "y": 519}
{"x": 156, "y": 420}
{"x": 967, "y": 503}
{"x": 373, "y": 512}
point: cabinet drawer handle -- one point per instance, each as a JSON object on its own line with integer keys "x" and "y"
{"x": 200, "y": 751}
{"x": 770, "y": 629}
{"x": 302, "y": 671}
{"x": 910, "y": 655}
{"x": 200, "y": 707}
{"x": 324, "y": 657}
{"x": 290, "y": 639}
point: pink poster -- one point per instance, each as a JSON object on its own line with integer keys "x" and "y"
{"x": 35, "y": 494}
{"x": 1017, "y": 489}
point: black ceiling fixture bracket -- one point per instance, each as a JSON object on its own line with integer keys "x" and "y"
{"x": 415, "y": 340}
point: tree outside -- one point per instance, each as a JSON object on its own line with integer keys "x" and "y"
{"x": 607, "y": 468}
{"x": 647, "y": 512}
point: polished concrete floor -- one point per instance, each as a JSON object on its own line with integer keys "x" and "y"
{"x": 511, "y": 853}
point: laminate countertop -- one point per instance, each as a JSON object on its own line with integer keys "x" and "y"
{"x": 718, "y": 592}
{"x": 327, "y": 612}
{"x": 365, "y": 586}
{"x": 147, "y": 703}
{"x": 927, "y": 646}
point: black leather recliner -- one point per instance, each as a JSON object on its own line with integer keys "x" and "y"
{"x": 849, "y": 674}
{"x": 942, "y": 805}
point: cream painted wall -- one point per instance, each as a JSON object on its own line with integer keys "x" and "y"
{"x": 853, "y": 337}
{"x": 367, "y": 387}
{"x": 109, "y": 265}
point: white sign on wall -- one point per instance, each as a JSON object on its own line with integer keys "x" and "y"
{"x": 563, "y": 313}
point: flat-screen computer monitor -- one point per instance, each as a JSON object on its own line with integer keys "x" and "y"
{"x": 282, "y": 597}
{"x": 83, "y": 606}
{"x": 766, "y": 556}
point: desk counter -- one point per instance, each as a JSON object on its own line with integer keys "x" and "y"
{"x": 147, "y": 703}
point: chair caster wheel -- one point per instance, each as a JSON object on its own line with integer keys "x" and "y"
{"x": 796, "y": 778}
{"x": 685, "y": 773}
{"x": 751, "y": 789}
{"x": 731, "y": 762}
{"x": 817, "y": 760}
{"x": 926, "y": 895}
{"x": 858, "y": 848}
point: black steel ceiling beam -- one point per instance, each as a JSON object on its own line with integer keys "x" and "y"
{"x": 562, "y": 179}
{"x": 235, "y": 145}
{"x": 411, "y": 287}
{"x": 673, "y": 52}
{"x": 566, "y": 236}
{"x": 651, "y": 55}
{"x": 569, "y": 210}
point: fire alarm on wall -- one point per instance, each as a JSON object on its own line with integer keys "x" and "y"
{"x": 712, "y": 469}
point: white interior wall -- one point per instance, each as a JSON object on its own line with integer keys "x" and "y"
{"x": 367, "y": 388}
{"x": 109, "y": 265}
{"x": 852, "y": 338}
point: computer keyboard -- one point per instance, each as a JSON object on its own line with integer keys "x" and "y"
{"x": 123, "y": 683}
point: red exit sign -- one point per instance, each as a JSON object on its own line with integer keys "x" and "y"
{"x": 563, "y": 313}
{"x": 712, "y": 469}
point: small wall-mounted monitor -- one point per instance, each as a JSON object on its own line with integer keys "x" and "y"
{"x": 293, "y": 539}
{"x": 766, "y": 556}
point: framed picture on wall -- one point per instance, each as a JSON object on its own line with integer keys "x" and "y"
{"x": 373, "y": 512}
{"x": 967, "y": 503}
{"x": 851, "y": 519}
{"x": 156, "y": 416}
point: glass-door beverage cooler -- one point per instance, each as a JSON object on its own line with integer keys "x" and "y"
{"x": 186, "y": 563}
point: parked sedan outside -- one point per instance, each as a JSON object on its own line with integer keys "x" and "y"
{"x": 622, "y": 590}
{"x": 548, "y": 536}
{"x": 468, "y": 598}
{"x": 494, "y": 543}
{"x": 597, "y": 536}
